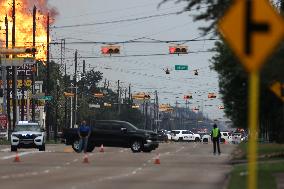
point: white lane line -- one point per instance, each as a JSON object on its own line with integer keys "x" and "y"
{"x": 68, "y": 163}
{"x": 5, "y": 177}
{"x": 46, "y": 171}
{"x": 75, "y": 160}
{"x": 6, "y": 150}
{"x": 19, "y": 154}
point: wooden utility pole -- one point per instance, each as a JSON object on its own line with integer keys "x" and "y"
{"x": 47, "y": 92}
{"x": 34, "y": 66}
{"x": 14, "y": 68}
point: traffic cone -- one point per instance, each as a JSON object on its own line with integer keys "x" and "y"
{"x": 157, "y": 160}
{"x": 102, "y": 148}
{"x": 17, "y": 157}
{"x": 86, "y": 158}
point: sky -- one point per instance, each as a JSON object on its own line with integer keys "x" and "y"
{"x": 145, "y": 74}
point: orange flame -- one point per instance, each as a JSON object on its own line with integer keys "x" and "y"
{"x": 24, "y": 23}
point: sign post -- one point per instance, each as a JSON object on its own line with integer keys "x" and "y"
{"x": 253, "y": 29}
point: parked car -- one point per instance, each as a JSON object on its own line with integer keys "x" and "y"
{"x": 236, "y": 138}
{"x": 162, "y": 136}
{"x": 226, "y": 137}
{"x": 116, "y": 134}
{"x": 184, "y": 135}
{"x": 28, "y": 135}
{"x": 206, "y": 138}
{"x": 3, "y": 133}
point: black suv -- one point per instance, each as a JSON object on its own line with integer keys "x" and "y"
{"x": 115, "y": 134}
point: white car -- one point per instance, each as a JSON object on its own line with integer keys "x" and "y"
{"x": 206, "y": 138}
{"x": 184, "y": 135}
{"x": 28, "y": 135}
{"x": 236, "y": 138}
{"x": 225, "y": 137}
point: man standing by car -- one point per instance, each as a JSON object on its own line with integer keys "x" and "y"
{"x": 215, "y": 137}
{"x": 84, "y": 132}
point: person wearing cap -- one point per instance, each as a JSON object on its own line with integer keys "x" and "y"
{"x": 215, "y": 137}
{"x": 84, "y": 131}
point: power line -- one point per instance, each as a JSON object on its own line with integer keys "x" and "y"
{"x": 135, "y": 41}
{"x": 117, "y": 21}
{"x": 133, "y": 55}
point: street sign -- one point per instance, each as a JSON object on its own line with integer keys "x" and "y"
{"x": 94, "y": 106}
{"x": 38, "y": 96}
{"x": 19, "y": 61}
{"x": 47, "y": 98}
{"x": 253, "y": 29}
{"x": 181, "y": 67}
{"x": 278, "y": 89}
{"x": 3, "y": 120}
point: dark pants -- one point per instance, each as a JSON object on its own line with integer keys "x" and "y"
{"x": 83, "y": 144}
{"x": 216, "y": 142}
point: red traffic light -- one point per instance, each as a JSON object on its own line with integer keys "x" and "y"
{"x": 178, "y": 49}
{"x": 110, "y": 49}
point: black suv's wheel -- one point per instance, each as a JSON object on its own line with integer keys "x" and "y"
{"x": 147, "y": 150}
{"x": 76, "y": 146}
{"x": 42, "y": 148}
{"x": 136, "y": 146}
{"x": 205, "y": 140}
{"x": 180, "y": 139}
{"x": 14, "y": 148}
{"x": 197, "y": 139}
{"x": 90, "y": 148}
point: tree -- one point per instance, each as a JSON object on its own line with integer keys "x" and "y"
{"x": 233, "y": 78}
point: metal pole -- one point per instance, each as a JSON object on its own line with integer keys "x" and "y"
{"x": 34, "y": 66}
{"x": 118, "y": 96}
{"x": 75, "y": 85}
{"x": 47, "y": 82}
{"x": 14, "y": 68}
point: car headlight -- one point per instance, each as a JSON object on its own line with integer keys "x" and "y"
{"x": 147, "y": 135}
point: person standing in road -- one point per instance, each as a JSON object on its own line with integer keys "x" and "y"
{"x": 215, "y": 137}
{"x": 84, "y": 132}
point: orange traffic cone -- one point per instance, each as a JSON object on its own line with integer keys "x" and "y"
{"x": 17, "y": 157}
{"x": 86, "y": 158}
{"x": 102, "y": 148}
{"x": 157, "y": 160}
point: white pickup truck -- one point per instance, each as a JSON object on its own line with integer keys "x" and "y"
{"x": 184, "y": 135}
{"x": 28, "y": 135}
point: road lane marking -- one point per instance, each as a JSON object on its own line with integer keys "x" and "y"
{"x": 19, "y": 154}
{"x": 6, "y": 150}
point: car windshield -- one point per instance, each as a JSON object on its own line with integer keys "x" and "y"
{"x": 27, "y": 128}
{"x": 131, "y": 127}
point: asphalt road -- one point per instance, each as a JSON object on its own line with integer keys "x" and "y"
{"x": 183, "y": 165}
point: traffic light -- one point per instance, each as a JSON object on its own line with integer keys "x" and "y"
{"x": 18, "y": 50}
{"x": 211, "y": 95}
{"x": 110, "y": 49}
{"x": 167, "y": 71}
{"x": 178, "y": 49}
{"x": 186, "y": 97}
{"x": 68, "y": 94}
{"x": 221, "y": 107}
{"x": 195, "y": 72}
{"x": 99, "y": 95}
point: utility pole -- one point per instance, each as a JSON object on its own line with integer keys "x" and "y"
{"x": 157, "y": 111}
{"x": 118, "y": 96}
{"x": 129, "y": 95}
{"x": 75, "y": 87}
{"x": 8, "y": 79}
{"x": 14, "y": 68}
{"x": 47, "y": 92}
{"x": 66, "y": 81}
{"x": 34, "y": 66}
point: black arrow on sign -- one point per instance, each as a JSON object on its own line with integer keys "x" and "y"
{"x": 252, "y": 27}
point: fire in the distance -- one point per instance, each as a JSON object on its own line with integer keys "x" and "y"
{"x": 24, "y": 23}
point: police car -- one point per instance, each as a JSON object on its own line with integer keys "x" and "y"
{"x": 28, "y": 135}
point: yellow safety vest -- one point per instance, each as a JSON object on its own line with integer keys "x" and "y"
{"x": 215, "y": 132}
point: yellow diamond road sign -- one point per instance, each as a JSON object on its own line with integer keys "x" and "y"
{"x": 253, "y": 29}
{"x": 278, "y": 90}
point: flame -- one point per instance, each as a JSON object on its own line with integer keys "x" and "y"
{"x": 24, "y": 24}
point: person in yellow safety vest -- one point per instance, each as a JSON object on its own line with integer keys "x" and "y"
{"x": 215, "y": 137}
